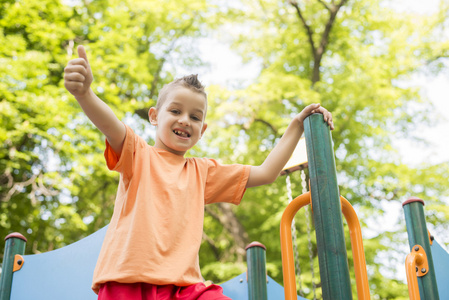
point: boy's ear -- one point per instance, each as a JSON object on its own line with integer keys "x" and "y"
{"x": 152, "y": 116}
{"x": 203, "y": 129}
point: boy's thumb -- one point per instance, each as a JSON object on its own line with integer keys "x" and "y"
{"x": 82, "y": 53}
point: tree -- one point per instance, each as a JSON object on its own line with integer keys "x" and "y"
{"x": 354, "y": 57}
{"x": 54, "y": 186}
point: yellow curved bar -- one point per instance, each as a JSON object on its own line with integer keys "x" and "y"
{"x": 410, "y": 269}
{"x": 288, "y": 262}
{"x": 416, "y": 258}
{"x": 355, "y": 232}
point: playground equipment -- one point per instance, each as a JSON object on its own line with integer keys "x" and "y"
{"x": 428, "y": 263}
{"x": 326, "y": 205}
{"x": 254, "y": 284}
{"x": 324, "y": 197}
{"x": 287, "y": 170}
{"x": 66, "y": 273}
{"x": 298, "y": 161}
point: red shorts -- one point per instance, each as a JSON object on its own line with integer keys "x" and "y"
{"x": 146, "y": 291}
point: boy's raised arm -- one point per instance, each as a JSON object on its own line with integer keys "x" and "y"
{"x": 278, "y": 157}
{"x": 77, "y": 80}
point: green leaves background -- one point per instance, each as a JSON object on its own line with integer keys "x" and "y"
{"x": 56, "y": 189}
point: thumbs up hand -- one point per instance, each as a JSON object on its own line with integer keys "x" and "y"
{"x": 78, "y": 75}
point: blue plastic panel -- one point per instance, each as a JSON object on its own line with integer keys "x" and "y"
{"x": 237, "y": 288}
{"x": 64, "y": 273}
{"x": 441, "y": 263}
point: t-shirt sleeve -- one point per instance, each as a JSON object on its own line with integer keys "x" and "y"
{"x": 226, "y": 183}
{"x": 125, "y": 162}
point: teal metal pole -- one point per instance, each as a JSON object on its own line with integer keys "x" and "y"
{"x": 418, "y": 235}
{"x": 332, "y": 256}
{"x": 257, "y": 272}
{"x": 14, "y": 244}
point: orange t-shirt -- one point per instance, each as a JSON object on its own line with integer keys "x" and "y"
{"x": 155, "y": 232}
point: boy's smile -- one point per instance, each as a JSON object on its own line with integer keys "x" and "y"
{"x": 180, "y": 120}
{"x": 181, "y": 133}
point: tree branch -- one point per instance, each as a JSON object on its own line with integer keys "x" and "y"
{"x": 16, "y": 187}
{"x": 333, "y": 10}
{"x": 306, "y": 26}
{"x": 324, "y": 4}
{"x": 274, "y": 129}
{"x": 232, "y": 225}
{"x": 318, "y": 53}
{"x": 437, "y": 57}
{"x": 142, "y": 112}
{"x": 212, "y": 245}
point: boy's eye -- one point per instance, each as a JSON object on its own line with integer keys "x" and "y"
{"x": 175, "y": 111}
{"x": 196, "y": 118}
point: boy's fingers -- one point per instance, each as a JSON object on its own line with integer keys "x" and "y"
{"x": 82, "y": 53}
{"x": 77, "y": 61}
{"x": 312, "y": 108}
{"x": 329, "y": 120}
{"x": 77, "y": 67}
{"x": 73, "y": 86}
{"x": 327, "y": 116}
{"x": 78, "y": 77}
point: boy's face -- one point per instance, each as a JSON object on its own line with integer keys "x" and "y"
{"x": 179, "y": 121}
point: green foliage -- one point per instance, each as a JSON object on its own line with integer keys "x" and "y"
{"x": 371, "y": 51}
{"x": 54, "y": 184}
{"x": 216, "y": 271}
{"x": 56, "y": 189}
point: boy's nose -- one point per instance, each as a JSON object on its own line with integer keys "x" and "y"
{"x": 184, "y": 120}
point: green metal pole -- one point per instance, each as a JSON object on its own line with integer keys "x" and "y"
{"x": 257, "y": 272}
{"x": 418, "y": 235}
{"x": 15, "y": 244}
{"x": 332, "y": 256}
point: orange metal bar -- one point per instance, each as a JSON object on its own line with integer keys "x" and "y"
{"x": 415, "y": 264}
{"x": 355, "y": 232}
{"x": 431, "y": 238}
{"x": 288, "y": 262}
{"x": 18, "y": 262}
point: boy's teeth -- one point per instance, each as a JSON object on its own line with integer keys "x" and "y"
{"x": 181, "y": 133}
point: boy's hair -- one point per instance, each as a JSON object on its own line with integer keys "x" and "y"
{"x": 190, "y": 81}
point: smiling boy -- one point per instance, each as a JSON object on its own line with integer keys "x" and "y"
{"x": 150, "y": 250}
{"x": 175, "y": 114}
